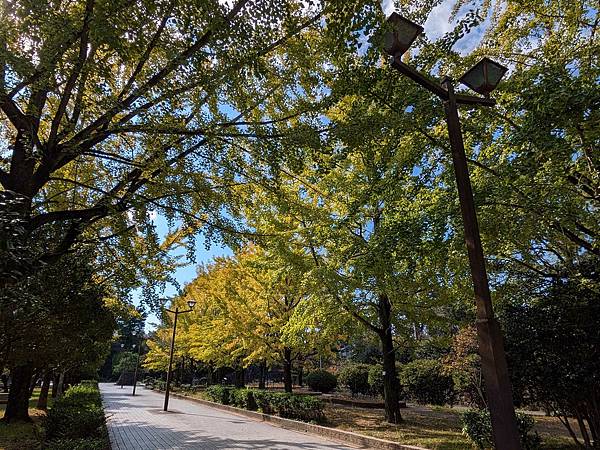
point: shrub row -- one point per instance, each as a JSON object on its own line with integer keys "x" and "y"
{"x": 76, "y": 420}
{"x": 478, "y": 427}
{"x": 291, "y": 406}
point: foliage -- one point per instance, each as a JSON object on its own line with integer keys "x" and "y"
{"x": 552, "y": 344}
{"x": 219, "y": 394}
{"x": 322, "y": 381}
{"x": 77, "y": 417}
{"x": 355, "y": 377}
{"x": 301, "y": 407}
{"x": 243, "y": 398}
{"x": 375, "y": 379}
{"x": 124, "y": 362}
{"x": 463, "y": 364}
{"x": 477, "y": 426}
{"x": 77, "y": 444}
{"x": 425, "y": 383}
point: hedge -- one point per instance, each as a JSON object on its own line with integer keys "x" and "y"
{"x": 356, "y": 378}
{"x": 424, "y": 382}
{"x": 291, "y": 406}
{"x": 76, "y": 420}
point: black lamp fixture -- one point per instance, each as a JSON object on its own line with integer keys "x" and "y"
{"x": 403, "y": 34}
{"x": 484, "y": 76}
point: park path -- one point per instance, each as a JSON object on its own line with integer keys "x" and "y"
{"x": 140, "y": 423}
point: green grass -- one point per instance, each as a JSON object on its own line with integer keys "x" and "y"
{"x": 24, "y": 435}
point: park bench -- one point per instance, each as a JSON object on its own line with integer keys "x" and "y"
{"x": 3, "y": 398}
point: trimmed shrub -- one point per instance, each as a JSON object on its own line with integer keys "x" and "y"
{"x": 425, "y": 382}
{"x": 322, "y": 381}
{"x": 76, "y": 420}
{"x": 243, "y": 398}
{"x": 300, "y": 407}
{"x": 291, "y": 406}
{"x": 356, "y": 378}
{"x": 477, "y": 426}
{"x": 219, "y": 394}
{"x": 375, "y": 379}
{"x": 78, "y": 444}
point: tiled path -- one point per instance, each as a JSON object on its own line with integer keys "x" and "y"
{"x": 140, "y": 423}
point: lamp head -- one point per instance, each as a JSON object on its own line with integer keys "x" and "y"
{"x": 403, "y": 33}
{"x": 191, "y": 303}
{"x": 484, "y": 76}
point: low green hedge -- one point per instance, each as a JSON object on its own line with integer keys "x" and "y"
{"x": 291, "y": 406}
{"x": 76, "y": 420}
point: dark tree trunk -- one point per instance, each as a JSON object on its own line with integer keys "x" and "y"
{"x": 391, "y": 386}
{"x": 34, "y": 380}
{"x": 55, "y": 381}
{"x": 300, "y": 376}
{"x": 287, "y": 369}
{"x": 263, "y": 375}
{"x": 42, "y": 402}
{"x": 240, "y": 377}
{"x": 17, "y": 407}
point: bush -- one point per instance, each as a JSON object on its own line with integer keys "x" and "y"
{"x": 77, "y": 444}
{"x": 424, "y": 382}
{"x": 322, "y": 381}
{"x": 219, "y": 394}
{"x": 291, "y": 406}
{"x": 243, "y": 398}
{"x": 375, "y": 379}
{"x": 300, "y": 407}
{"x": 76, "y": 420}
{"x": 478, "y": 427}
{"x": 356, "y": 378}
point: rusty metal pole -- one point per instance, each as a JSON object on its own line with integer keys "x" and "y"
{"x": 168, "y": 385}
{"x": 491, "y": 348}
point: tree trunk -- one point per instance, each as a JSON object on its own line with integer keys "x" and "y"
{"x": 300, "y": 376}
{"x": 391, "y": 386}
{"x": 287, "y": 369}
{"x": 240, "y": 377}
{"x": 60, "y": 384}
{"x": 263, "y": 375}
{"x": 42, "y": 402}
{"x": 34, "y": 380}
{"x": 17, "y": 407}
{"x": 55, "y": 381}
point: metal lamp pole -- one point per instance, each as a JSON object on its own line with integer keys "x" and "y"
{"x": 191, "y": 304}
{"x": 482, "y": 78}
{"x": 137, "y": 363}
{"x": 122, "y": 370}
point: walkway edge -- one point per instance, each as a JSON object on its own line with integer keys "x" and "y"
{"x": 295, "y": 425}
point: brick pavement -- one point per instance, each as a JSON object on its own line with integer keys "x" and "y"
{"x": 140, "y": 423}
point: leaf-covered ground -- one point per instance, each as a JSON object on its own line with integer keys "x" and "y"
{"x": 432, "y": 428}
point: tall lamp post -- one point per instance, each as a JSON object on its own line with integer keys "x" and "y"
{"x": 122, "y": 370}
{"x": 137, "y": 363}
{"x": 482, "y": 78}
{"x": 191, "y": 304}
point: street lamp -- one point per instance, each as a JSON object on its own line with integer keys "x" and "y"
{"x": 137, "y": 363}
{"x": 122, "y": 369}
{"x": 191, "y": 304}
{"x": 482, "y": 78}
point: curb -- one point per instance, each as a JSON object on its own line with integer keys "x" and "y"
{"x": 303, "y": 427}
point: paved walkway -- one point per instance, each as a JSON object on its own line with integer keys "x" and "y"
{"x": 140, "y": 423}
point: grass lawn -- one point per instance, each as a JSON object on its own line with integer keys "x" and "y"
{"x": 432, "y": 428}
{"x": 18, "y": 436}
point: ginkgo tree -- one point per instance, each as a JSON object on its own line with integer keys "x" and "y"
{"x": 252, "y": 309}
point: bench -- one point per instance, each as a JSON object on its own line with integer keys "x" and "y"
{"x": 3, "y": 398}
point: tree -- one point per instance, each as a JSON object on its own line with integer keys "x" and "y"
{"x": 552, "y": 346}
{"x": 134, "y": 106}
{"x": 59, "y": 319}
